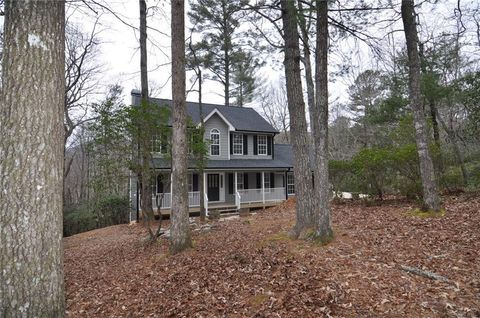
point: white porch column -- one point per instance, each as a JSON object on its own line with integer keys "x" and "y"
{"x": 205, "y": 201}
{"x": 171, "y": 184}
{"x": 235, "y": 188}
{"x": 263, "y": 187}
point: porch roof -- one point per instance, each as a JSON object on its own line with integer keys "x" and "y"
{"x": 283, "y": 160}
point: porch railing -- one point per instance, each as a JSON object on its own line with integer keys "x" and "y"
{"x": 162, "y": 199}
{"x": 165, "y": 200}
{"x": 257, "y": 195}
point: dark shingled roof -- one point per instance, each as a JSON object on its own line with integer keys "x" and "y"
{"x": 283, "y": 160}
{"x": 242, "y": 118}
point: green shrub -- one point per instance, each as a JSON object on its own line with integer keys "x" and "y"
{"x": 112, "y": 210}
{"x": 77, "y": 219}
{"x": 89, "y": 216}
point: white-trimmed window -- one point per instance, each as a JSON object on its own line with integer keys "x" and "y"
{"x": 240, "y": 184}
{"x": 262, "y": 145}
{"x": 290, "y": 184}
{"x": 237, "y": 144}
{"x": 214, "y": 142}
{"x": 158, "y": 145}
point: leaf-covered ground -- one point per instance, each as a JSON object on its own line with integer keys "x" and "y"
{"x": 248, "y": 267}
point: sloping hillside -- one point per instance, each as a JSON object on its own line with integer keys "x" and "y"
{"x": 248, "y": 267}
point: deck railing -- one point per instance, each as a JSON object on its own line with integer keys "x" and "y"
{"x": 242, "y": 196}
{"x": 257, "y": 195}
{"x": 165, "y": 200}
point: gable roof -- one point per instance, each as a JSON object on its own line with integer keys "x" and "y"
{"x": 242, "y": 118}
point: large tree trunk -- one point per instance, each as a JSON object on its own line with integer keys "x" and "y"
{"x": 180, "y": 228}
{"x": 143, "y": 50}
{"x": 307, "y": 61}
{"x": 323, "y": 225}
{"x": 298, "y": 123}
{"x": 202, "y": 163}
{"x": 226, "y": 50}
{"x": 145, "y": 156}
{"x": 31, "y": 160}
{"x": 431, "y": 200}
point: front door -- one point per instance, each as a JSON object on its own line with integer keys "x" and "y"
{"x": 213, "y": 186}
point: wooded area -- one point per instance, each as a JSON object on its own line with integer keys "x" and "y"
{"x": 403, "y": 141}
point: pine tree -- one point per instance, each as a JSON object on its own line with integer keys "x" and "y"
{"x": 225, "y": 59}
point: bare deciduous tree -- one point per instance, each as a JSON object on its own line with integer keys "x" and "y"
{"x": 431, "y": 200}
{"x": 298, "y": 122}
{"x": 180, "y": 228}
{"x": 274, "y": 108}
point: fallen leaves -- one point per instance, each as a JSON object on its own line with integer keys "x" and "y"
{"x": 249, "y": 267}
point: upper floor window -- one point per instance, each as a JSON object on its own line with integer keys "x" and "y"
{"x": 262, "y": 145}
{"x": 237, "y": 144}
{"x": 214, "y": 142}
{"x": 159, "y": 144}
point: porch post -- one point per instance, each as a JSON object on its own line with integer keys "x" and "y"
{"x": 205, "y": 192}
{"x": 263, "y": 188}
{"x": 235, "y": 188}
{"x": 171, "y": 181}
{"x": 285, "y": 183}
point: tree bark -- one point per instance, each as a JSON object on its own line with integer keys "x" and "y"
{"x": 145, "y": 156}
{"x": 31, "y": 160}
{"x": 323, "y": 224}
{"x": 143, "y": 50}
{"x": 202, "y": 163}
{"x": 298, "y": 123}
{"x": 431, "y": 200}
{"x": 180, "y": 228}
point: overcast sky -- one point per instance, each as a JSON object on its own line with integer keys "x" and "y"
{"x": 119, "y": 46}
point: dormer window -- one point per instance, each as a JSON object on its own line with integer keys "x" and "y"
{"x": 262, "y": 145}
{"x": 238, "y": 144}
{"x": 214, "y": 142}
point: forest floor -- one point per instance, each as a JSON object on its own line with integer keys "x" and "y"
{"x": 249, "y": 267}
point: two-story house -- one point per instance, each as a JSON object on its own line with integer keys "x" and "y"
{"x": 245, "y": 169}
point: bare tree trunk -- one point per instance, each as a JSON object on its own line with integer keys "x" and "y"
{"x": 307, "y": 62}
{"x": 298, "y": 123}
{"x": 31, "y": 160}
{"x": 226, "y": 51}
{"x": 180, "y": 228}
{"x": 145, "y": 156}
{"x": 323, "y": 224}
{"x": 202, "y": 164}
{"x": 143, "y": 50}
{"x": 431, "y": 200}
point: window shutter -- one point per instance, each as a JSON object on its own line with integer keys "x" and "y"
{"x": 272, "y": 180}
{"x": 231, "y": 144}
{"x": 245, "y": 144}
{"x": 255, "y": 145}
{"x": 245, "y": 180}
{"x": 269, "y": 145}
{"x": 230, "y": 183}
{"x": 195, "y": 182}
{"x": 259, "y": 180}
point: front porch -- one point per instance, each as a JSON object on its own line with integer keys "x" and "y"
{"x": 228, "y": 191}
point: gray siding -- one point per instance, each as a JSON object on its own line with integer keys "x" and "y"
{"x": 216, "y": 122}
{"x": 250, "y": 150}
